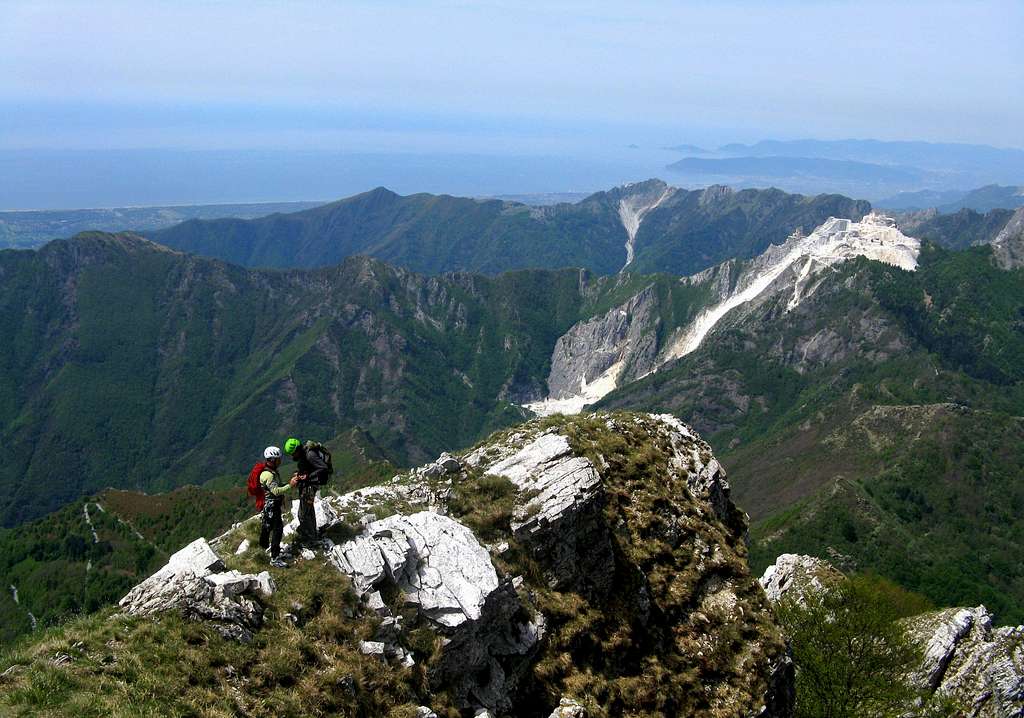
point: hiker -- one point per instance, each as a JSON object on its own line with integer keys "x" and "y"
{"x": 274, "y": 491}
{"x": 314, "y": 469}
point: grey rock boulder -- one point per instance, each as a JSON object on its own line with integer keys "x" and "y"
{"x": 233, "y": 583}
{"x": 444, "y": 465}
{"x": 436, "y": 561}
{"x": 797, "y": 575}
{"x": 966, "y": 659}
{"x": 194, "y": 582}
{"x": 568, "y": 708}
{"x": 324, "y": 511}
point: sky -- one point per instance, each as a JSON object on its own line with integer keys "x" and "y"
{"x": 601, "y": 86}
{"x": 102, "y": 73}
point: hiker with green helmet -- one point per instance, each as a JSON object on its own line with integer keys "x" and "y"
{"x": 275, "y": 489}
{"x": 314, "y": 469}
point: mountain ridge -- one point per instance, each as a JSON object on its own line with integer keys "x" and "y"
{"x": 217, "y": 358}
{"x": 438, "y": 233}
{"x": 515, "y": 578}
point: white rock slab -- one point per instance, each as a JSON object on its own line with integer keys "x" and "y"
{"x": 560, "y": 479}
{"x": 436, "y": 561}
{"x": 197, "y": 557}
{"x": 797, "y": 573}
{"x": 325, "y": 515}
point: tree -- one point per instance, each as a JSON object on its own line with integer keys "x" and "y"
{"x": 851, "y": 652}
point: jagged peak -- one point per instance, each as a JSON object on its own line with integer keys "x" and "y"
{"x": 715, "y": 193}
{"x": 1008, "y": 246}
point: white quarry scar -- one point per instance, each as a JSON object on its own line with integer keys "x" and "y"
{"x": 837, "y": 240}
{"x": 589, "y": 393}
{"x": 632, "y": 216}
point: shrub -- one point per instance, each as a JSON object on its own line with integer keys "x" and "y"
{"x": 850, "y": 649}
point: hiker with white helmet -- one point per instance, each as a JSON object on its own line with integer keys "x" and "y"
{"x": 274, "y": 492}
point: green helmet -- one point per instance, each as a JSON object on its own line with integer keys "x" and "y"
{"x": 291, "y": 445}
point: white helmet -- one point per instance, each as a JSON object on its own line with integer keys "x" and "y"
{"x": 272, "y": 452}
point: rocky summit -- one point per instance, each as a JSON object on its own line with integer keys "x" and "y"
{"x": 585, "y": 566}
{"x": 977, "y": 667}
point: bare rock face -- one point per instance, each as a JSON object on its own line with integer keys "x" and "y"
{"x": 436, "y": 562}
{"x": 797, "y": 575}
{"x": 562, "y": 522}
{"x": 1008, "y": 246}
{"x": 447, "y": 575}
{"x": 593, "y": 355}
{"x": 979, "y": 667}
{"x": 966, "y": 659}
{"x": 194, "y": 581}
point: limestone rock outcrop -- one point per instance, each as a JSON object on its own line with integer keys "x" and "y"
{"x": 565, "y": 557}
{"x": 195, "y": 582}
{"x": 978, "y": 667}
{"x": 797, "y": 575}
{"x": 435, "y": 561}
{"x": 443, "y": 571}
{"x": 582, "y": 519}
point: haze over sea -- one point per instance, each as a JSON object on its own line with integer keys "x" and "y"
{"x": 197, "y": 102}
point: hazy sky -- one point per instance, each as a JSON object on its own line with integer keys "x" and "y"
{"x": 463, "y": 75}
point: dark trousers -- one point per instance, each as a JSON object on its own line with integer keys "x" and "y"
{"x": 307, "y": 534}
{"x": 272, "y": 527}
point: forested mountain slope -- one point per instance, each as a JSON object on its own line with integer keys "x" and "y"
{"x": 135, "y": 366}
{"x": 647, "y": 226}
{"x": 957, "y": 230}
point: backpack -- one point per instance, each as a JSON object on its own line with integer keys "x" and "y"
{"x": 255, "y": 487}
{"x": 325, "y": 455}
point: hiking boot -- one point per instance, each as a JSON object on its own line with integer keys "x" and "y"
{"x": 279, "y": 563}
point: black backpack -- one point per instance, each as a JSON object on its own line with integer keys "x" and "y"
{"x": 325, "y": 456}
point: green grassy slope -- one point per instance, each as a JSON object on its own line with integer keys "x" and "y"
{"x": 59, "y": 567}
